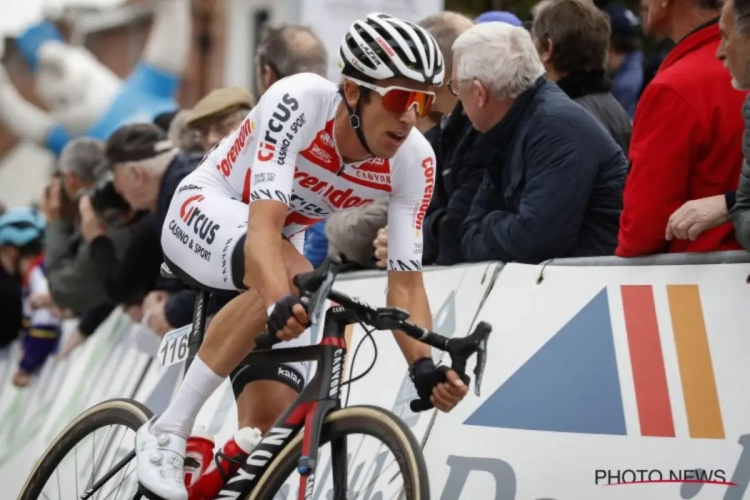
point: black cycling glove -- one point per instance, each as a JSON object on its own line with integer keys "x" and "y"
{"x": 425, "y": 376}
{"x": 281, "y": 313}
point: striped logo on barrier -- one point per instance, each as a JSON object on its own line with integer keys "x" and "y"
{"x": 693, "y": 355}
{"x": 572, "y": 383}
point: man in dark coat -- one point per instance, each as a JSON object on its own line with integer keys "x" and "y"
{"x": 554, "y": 184}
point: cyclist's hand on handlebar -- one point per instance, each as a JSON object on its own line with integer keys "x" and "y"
{"x": 448, "y": 394}
{"x": 288, "y": 319}
{"x": 441, "y": 386}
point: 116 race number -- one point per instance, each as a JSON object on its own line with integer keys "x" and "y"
{"x": 174, "y": 346}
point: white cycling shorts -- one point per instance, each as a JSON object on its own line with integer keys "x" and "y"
{"x": 200, "y": 238}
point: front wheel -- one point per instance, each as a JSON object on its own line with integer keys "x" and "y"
{"x": 388, "y": 432}
{"x": 59, "y": 472}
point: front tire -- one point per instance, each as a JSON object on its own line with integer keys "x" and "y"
{"x": 125, "y": 412}
{"x": 362, "y": 420}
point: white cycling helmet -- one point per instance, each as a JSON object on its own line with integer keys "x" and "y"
{"x": 383, "y": 46}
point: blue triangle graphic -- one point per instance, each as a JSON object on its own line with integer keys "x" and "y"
{"x": 570, "y": 385}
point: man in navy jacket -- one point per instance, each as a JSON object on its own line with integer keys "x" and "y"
{"x": 459, "y": 172}
{"x": 554, "y": 181}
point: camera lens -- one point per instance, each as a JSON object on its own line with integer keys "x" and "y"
{"x": 105, "y": 198}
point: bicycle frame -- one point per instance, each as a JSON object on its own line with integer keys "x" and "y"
{"x": 319, "y": 397}
{"x": 322, "y": 394}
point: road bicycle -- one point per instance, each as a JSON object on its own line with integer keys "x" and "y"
{"x": 286, "y": 448}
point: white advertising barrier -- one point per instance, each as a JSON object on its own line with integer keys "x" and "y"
{"x": 596, "y": 376}
{"x": 605, "y": 383}
{"x": 155, "y": 390}
{"x": 13, "y": 399}
{"x": 20, "y": 414}
{"x": 106, "y": 366}
{"x": 7, "y": 354}
{"x": 119, "y": 378}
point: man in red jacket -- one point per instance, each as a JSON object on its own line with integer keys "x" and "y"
{"x": 686, "y": 148}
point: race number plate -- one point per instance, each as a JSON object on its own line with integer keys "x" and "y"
{"x": 174, "y": 346}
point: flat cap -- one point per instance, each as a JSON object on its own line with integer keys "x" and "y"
{"x": 136, "y": 142}
{"x": 219, "y": 100}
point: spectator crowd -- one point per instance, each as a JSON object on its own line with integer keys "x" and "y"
{"x": 556, "y": 137}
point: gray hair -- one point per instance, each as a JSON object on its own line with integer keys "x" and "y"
{"x": 741, "y": 11}
{"x": 281, "y": 49}
{"x": 500, "y": 56}
{"x": 82, "y": 157}
{"x": 446, "y": 27}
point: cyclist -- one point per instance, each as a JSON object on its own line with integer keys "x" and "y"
{"x": 308, "y": 149}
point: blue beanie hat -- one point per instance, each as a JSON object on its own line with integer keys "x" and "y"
{"x": 20, "y": 226}
{"x": 623, "y": 21}
{"x": 499, "y": 16}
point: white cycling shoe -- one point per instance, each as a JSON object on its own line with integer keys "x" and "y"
{"x": 160, "y": 460}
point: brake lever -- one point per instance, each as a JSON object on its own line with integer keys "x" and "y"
{"x": 483, "y": 330}
{"x": 460, "y": 349}
{"x": 314, "y": 299}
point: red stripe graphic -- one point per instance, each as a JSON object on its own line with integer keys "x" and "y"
{"x": 302, "y": 220}
{"x": 306, "y": 445}
{"x": 307, "y": 435}
{"x": 647, "y": 361}
{"x": 246, "y": 187}
{"x": 298, "y": 414}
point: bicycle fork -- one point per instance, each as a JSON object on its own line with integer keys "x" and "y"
{"x": 308, "y": 460}
{"x": 313, "y": 425}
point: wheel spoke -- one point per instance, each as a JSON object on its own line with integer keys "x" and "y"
{"x": 53, "y": 470}
{"x": 398, "y": 494}
{"x": 119, "y": 486}
{"x": 59, "y": 490}
{"x": 375, "y": 479}
{"x": 93, "y": 460}
{"x": 95, "y": 466}
{"x": 75, "y": 450}
{"x": 114, "y": 455}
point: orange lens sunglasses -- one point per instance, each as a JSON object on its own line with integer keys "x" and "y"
{"x": 401, "y": 99}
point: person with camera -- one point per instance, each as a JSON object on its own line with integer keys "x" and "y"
{"x": 70, "y": 271}
{"x": 146, "y": 168}
{"x": 130, "y": 279}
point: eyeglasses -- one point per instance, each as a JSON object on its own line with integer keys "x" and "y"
{"x": 451, "y": 88}
{"x": 401, "y": 99}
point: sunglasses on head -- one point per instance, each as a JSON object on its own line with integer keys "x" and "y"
{"x": 401, "y": 99}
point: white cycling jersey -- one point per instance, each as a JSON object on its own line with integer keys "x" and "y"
{"x": 284, "y": 150}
